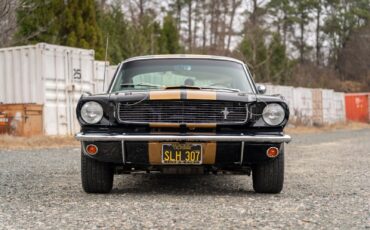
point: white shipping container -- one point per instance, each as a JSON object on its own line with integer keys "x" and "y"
{"x": 302, "y": 105}
{"x": 333, "y": 106}
{"x": 111, "y": 71}
{"x": 328, "y": 109}
{"x": 339, "y": 107}
{"x": 101, "y": 84}
{"x": 52, "y": 75}
{"x": 317, "y": 110}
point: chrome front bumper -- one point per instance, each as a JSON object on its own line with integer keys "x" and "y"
{"x": 147, "y": 137}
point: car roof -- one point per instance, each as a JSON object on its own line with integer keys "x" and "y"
{"x": 178, "y": 56}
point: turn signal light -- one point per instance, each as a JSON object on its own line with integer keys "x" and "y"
{"x": 272, "y": 152}
{"x": 91, "y": 149}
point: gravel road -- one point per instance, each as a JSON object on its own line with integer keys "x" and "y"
{"x": 327, "y": 186}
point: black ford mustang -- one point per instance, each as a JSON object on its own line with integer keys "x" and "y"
{"x": 182, "y": 114}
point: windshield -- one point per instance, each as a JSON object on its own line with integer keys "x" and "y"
{"x": 155, "y": 74}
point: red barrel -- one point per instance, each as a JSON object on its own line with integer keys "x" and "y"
{"x": 357, "y": 107}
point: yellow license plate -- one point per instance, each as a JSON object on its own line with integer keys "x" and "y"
{"x": 182, "y": 153}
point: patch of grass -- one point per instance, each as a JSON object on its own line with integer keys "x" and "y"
{"x": 37, "y": 142}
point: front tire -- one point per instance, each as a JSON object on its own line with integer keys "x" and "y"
{"x": 96, "y": 176}
{"x": 269, "y": 177}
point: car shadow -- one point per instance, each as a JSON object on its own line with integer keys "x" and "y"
{"x": 151, "y": 184}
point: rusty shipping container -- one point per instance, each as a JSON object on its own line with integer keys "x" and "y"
{"x": 21, "y": 119}
{"x": 357, "y": 107}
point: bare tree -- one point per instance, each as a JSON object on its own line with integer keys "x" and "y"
{"x": 203, "y": 6}
{"x": 354, "y": 58}
{"x": 234, "y": 5}
{"x": 318, "y": 9}
{"x": 190, "y": 19}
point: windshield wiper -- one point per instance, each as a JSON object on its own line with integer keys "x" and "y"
{"x": 182, "y": 87}
{"x": 200, "y": 88}
{"x": 125, "y": 85}
{"x": 221, "y": 88}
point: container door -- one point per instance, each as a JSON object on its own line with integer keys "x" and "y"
{"x": 54, "y": 72}
{"x": 67, "y": 73}
{"x": 357, "y": 108}
{"x": 80, "y": 79}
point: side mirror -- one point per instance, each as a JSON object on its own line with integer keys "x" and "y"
{"x": 261, "y": 89}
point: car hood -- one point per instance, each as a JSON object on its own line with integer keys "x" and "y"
{"x": 189, "y": 94}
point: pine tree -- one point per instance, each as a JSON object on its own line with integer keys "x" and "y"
{"x": 79, "y": 27}
{"x": 39, "y": 21}
{"x": 343, "y": 19}
{"x": 279, "y": 64}
{"x": 117, "y": 29}
{"x": 71, "y": 23}
{"x": 255, "y": 54}
{"x": 169, "y": 37}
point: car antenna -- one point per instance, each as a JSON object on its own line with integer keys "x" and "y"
{"x": 105, "y": 60}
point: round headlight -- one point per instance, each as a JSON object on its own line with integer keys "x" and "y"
{"x": 273, "y": 114}
{"x": 91, "y": 112}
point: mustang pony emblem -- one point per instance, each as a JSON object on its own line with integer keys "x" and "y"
{"x": 225, "y": 112}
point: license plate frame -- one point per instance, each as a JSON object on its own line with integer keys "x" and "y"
{"x": 182, "y": 154}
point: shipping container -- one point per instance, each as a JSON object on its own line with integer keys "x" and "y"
{"x": 302, "y": 104}
{"x": 102, "y": 82}
{"x": 50, "y": 75}
{"x": 357, "y": 107}
{"x": 21, "y": 119}
{"x": 328, "y": 109}
{"x": 368, "y": 104}
{"x": 4, "y": 121}
{"x": 339, "y": 107}
{"x": 317, "y": 107}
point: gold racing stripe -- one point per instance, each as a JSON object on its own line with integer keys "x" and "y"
{"x": 201, "y": 125}
{"x": 155, "y": 152}
{"x": 200, "y": 95}
{"x": 164, "y": 125}
{"x": 209, "y": 156}
{"x": 165, "y": 95}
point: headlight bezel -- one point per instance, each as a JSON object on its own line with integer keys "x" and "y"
{"x": 94, "y": 106}
{"x": 274, "y": 108}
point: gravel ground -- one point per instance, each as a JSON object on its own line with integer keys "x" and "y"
{"x": 327, "y": 186}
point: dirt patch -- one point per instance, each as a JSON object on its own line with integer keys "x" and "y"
{"x": 37, "y": 142}
{"x": 327, "y": 128}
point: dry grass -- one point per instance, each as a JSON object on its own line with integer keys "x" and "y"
{"x": 40, "y": 142}
{"x": 37, "y": 142}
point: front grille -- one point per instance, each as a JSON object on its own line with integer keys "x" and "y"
{"x": 183, "y": 111}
